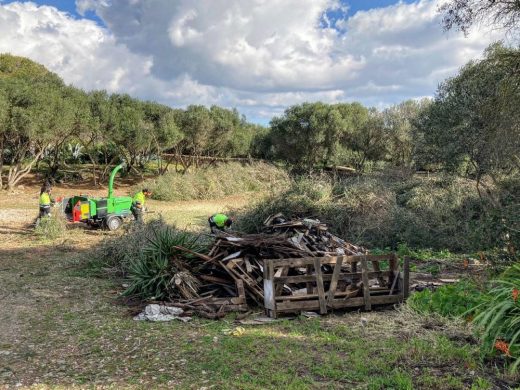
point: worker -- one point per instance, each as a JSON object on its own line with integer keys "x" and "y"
{"x": 138, "y": 204}
{"x": 45, "y": 201}
{"x": 219, "y": 222}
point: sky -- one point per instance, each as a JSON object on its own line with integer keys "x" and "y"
{"x": 259, "y": 56}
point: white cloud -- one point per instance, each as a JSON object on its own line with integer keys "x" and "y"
{"x": 257, "y": 55}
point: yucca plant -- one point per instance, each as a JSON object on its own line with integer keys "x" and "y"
{"x": 498, "y": 317}
{"x": 162, "y": 270}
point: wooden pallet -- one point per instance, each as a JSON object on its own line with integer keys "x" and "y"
{"x": 333, "y": 282}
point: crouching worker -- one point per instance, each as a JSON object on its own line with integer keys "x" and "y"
{"x": 46, "y": 202}
{"x": 138, "y": 204}
{"x": 219, "y": 222}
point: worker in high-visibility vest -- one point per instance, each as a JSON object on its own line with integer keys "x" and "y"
{"x": 138, "y": 204}
{"x": 46, "y": 202}
{"x": 219, "y": 222}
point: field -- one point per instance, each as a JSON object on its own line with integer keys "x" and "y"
{"x": 61, "y": 327}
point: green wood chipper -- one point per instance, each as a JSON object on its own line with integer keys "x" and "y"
{"x": 108, "y": 213}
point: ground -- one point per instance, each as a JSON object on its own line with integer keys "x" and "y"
{"x": 61, "y": 327}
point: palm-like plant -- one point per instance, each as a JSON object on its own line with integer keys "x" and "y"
{"x": 162, "y": 270}
{"x": 498, "y": 317}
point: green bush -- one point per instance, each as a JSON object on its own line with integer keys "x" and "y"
{"x": 498, "y": 317}
{"x": 51, "y": 227}
{"x": 385, "y": 210}
{"x": 145, "y": 255}
{"x": 218, "y": 181}
{"x": 113, "y": 255}
{"x": 452, "y": 300}
{"x": 160, "y": 270}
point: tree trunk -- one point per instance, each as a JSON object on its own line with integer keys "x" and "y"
{"x": 16, "y": 172}
{"x": 1, "y": 162}
{"x": 94, "y": 170}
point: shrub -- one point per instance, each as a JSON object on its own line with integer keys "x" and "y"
{"x": 161, "y": 270}
{"x": 498, "y": 317}
{"x": 145, "y": 255}
{"x": 379, "y": 210}
{"x": 453, "y": 300}
{"x": 218, "y": 181}
{"x": 115, "y": 252}
{"x": 51, "y": 227}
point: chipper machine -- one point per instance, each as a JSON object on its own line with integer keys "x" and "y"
{"x": 109, "y": 212}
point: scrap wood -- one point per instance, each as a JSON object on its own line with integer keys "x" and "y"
{"x": 200, "y": 255}
{"x": 239, "y": 258}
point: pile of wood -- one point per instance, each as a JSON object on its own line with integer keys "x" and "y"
{"x": 234, "y": 270}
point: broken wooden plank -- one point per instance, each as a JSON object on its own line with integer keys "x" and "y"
{"x": 366, "y": 287}
{"x": 319, "y": 285}
{"x": 406, "y": 277}
{"x": 334, "y": 280}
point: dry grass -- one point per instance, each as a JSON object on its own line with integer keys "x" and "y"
{"x": 217, "y": 182}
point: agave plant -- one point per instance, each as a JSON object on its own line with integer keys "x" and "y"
{"x": 498, "y": 317}
{"x": 162, "y": 270}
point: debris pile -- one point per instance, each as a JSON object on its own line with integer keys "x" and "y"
{"x": 233, "y": 271}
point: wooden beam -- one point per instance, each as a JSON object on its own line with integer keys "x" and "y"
{"x": 303, "y": 261}
{"x": 327, "y": 277}
{"x": 336, "y": 303}
{"x": 366, "y": 287}
{"x": 334, "y": 280}
{"x": 406, "y": 277}
{"x": 319, "y": 285}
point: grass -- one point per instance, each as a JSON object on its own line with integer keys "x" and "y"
{"x": 62, "y": 327}
{"x": 103, "y": 346}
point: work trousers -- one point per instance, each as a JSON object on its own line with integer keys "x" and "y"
{"x": 138, "y": 214}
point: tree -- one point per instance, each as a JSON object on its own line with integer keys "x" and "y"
{"x": 166, "y": 132}
{"x": 398, "y": 121}
{"x": 473, "y": 122}
{"x": 462, "y": 14}
{"x": 24, "y": 89}
{"x": 369, "y": 140}
{"x": 22, "y": 145}
{"x": 306, "y": 135}
{"x": 197, "y": 125}
{"x": 4, "y": 115}
{"x": 62, "y": 116}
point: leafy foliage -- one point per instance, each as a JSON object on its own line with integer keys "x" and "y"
{"x": 498, "y": 317}
{"x": 453, "y": 300}
{"x": 147, "y": 257}
{"x": 161, "y": 270}
{"x": 51, "y": 227}
{"x": 218, "y": 181}
{"x": 379, "y": 210}
{"x": 42, "y": 119}
{"x": 462, "y": 14}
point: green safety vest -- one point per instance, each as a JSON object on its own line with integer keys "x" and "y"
{"x": 45, "y": 199}
{"x": 220, "y": 220}
{"x": 138, "y": 198}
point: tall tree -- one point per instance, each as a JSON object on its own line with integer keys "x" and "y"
{"x": 307, "y": 134}
{"x": 462, "y": 14}
{"x": 398, "y": 123}
{"x": 474, "y": 120}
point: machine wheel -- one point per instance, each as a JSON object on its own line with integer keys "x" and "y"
{"x": 113, "y": 222}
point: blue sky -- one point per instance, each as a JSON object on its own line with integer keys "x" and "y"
{"x": 259, "y": 57}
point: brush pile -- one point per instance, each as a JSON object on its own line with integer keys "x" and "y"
{"x": 232, "y": 272}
